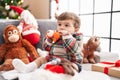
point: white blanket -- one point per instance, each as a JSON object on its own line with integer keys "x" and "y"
{"x": 41, "y": 74}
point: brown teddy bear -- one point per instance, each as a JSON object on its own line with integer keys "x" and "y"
{"x": 15, "y": 47}
{"x": 89, "y": 48}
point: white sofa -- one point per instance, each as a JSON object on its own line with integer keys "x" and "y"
{"x": 44, "y": 25}
{"x": 108, "y": 56}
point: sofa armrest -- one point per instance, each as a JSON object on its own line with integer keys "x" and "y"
{"x": 106, "y": 56}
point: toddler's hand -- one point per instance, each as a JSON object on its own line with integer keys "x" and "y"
{"x": 68, "y": 66}
{"x": 63, "y": 32}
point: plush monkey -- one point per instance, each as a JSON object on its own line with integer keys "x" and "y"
{"x": 15, "y": 47}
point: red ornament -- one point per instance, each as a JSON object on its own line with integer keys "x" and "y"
{"x": 57, "y": 1}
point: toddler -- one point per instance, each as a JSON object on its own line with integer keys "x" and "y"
{"x": 65, "y": 55}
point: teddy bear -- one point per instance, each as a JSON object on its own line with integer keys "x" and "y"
{"x": 15, "y": 47}
{"x": 92, "y": 45}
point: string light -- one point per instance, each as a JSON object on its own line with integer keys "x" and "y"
{"x": 6, "y": 4}
{"x": 7, "y": 13}
{"x": 18, "y": 17}
{"x": 19, "y": 2}
{"x": 12, "y": 1}
{"x": 22, "y": 1}
{"x": 7, "y": 18}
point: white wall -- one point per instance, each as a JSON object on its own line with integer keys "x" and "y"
{"x": 39, "y": 8}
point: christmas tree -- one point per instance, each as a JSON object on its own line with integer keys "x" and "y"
{"x": 10, "y": 14}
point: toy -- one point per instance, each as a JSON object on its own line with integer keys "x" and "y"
{"x": 28, "y": 25}
{"x": 89, "y": 48}
{"x": 54, "y": 35}
{"x": 15, "y": 47}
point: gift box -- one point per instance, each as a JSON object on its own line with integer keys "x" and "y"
{"x": 110, "y": 68}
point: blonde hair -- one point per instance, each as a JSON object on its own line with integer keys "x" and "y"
{"x": 70, "y": 16}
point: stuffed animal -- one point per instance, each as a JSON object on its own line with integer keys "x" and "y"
{"x": 54, "y": 35}
{"x": 15, "y": 47}
{"x": 28, "y": 25}
{"x": 88, "y": 49}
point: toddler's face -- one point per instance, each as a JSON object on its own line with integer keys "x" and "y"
{"x": 67, "y": 25}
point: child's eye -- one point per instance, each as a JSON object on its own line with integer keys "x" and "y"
{"x": 59, "y": 24}
{"x": 67, "y": 25}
